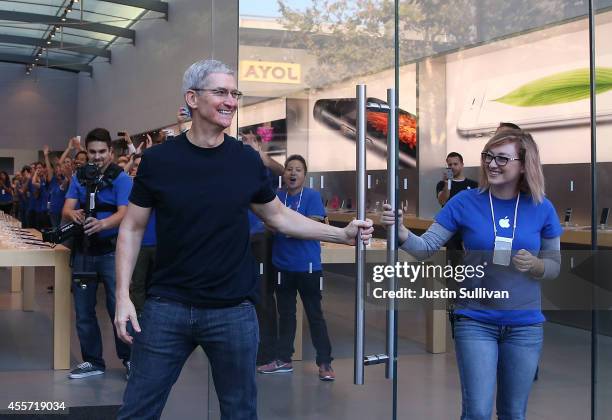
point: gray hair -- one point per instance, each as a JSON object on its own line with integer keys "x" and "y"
{"x": 198, "y": 72}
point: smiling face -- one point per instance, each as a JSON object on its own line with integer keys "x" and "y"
{"x": 210, "y": 108}
{"x": 508, "y": 175}
{"x": 294, "y": 175}
{"x": 99, "y": 154}
{"x": 80, "y": 159}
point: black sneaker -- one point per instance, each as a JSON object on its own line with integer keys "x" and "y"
{"x": 128, "y": 369}
{"x": 84, "y": 370}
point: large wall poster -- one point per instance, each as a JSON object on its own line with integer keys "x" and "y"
{"x": 539, "y": 81}
{"x": 333, "y": 148}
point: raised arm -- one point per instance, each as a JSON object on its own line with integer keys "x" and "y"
{"x": 47, "y": 163}
{"x": 66, "y": 152}
{"x": 276, "y": 168}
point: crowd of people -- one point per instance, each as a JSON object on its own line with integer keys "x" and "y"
{"x": 35, "y": 195}
{"x": 203, "y": 263}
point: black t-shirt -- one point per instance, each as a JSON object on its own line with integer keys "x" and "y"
{"x": 201, "y": 197}
{"x": 457, "y": 186}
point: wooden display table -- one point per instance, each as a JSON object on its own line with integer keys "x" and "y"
{"x": 23, "y": 262}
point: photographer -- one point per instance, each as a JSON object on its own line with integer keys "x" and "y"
{"x": 453, "y": 181}
{"x": 94, "y": 252}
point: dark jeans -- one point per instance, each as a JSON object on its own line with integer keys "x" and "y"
{"x": 142, "y": 277}
{"x": 87, "y": 326}
{"x": 490, "y": 356}
{"x": 7, "y": 208}
{"x": 23, "y": 215}
{"x": 42, "y": 220}
{"x": 170, "y": 333}
{"x": 261, "y": 247}
{"x": 31, "y": 219}
{"x": 308, "y": 285}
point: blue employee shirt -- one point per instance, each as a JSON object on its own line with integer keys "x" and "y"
{"x": 31, "y": 200}
{"x": 5, "y": 195}
{"x": 290, "y": 254}
{"x": 56, "y": 196}
{"x": 116, "y": 195}
{"x": 38, "y": 204}
{"x": 469, "y": 213}
{"x": 255, "y": 223}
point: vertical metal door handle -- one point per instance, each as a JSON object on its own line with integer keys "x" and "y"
{"x": 360, "y": 247}
{"x": 392, "y": 147}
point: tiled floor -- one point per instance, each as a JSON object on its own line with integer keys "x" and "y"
{"x": 428, "y": 386}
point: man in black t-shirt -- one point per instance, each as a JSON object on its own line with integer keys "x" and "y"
{"x": 447, "y": 189}
{"x": 205, "y": 278}
{"x": 449, "y": 186}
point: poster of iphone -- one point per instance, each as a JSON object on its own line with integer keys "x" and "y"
{"x": 539, "y": 81}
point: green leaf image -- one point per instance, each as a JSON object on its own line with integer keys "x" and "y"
{"x": 560, "y": 88}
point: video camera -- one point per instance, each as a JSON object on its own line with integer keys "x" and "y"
{"x": 90, "y": 177}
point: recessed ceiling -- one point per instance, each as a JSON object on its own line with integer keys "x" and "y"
{"x": 70, "y": 35}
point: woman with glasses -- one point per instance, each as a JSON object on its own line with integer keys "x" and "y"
{"x": 511, "y": 233}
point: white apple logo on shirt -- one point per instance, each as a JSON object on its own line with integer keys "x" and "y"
{"x": 505, "y": 223}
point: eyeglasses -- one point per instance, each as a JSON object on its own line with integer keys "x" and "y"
{"x": 221, "y": 92}
{"x": 499, "y": 160}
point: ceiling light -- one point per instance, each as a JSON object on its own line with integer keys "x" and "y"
{"x": 63, "y": 18}
{"x": 36, "y": 59}
{"x": 48, "y": 42}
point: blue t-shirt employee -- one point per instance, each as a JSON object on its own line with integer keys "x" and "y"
{"x": 111, "y": 199}
{"x": 511, "y": 229}
{"x": 298, "y": 266}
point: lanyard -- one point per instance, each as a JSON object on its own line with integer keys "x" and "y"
{"x": 299, "y": 200}
{"x": 518, "y": 197}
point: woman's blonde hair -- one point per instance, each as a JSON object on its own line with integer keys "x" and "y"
{"x": 532, "y": 179}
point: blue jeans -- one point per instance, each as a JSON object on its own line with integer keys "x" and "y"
{"x": 489, "y": 354}
{"x": 87, "y": 326}
{"x": 170, "y": 333}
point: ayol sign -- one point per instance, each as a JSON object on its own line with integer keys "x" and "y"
{"x": 270, "y": 72}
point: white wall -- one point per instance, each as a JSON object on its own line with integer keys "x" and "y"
{"x": 37, "y": 109}
{"x": 504, "y": 66}
{"x": 141, "y": 88}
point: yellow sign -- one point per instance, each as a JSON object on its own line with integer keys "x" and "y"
{"x": 270, "y": 72}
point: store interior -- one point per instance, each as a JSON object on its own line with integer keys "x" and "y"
{"x": 459, "y": 67}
